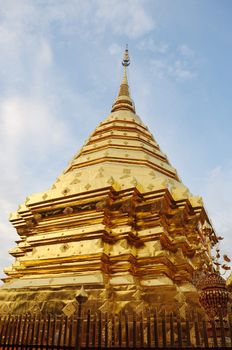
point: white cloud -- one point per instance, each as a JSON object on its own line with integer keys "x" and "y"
{"x": 45, "y": 53}
{"x": 148, "y": 44}
{"x": 185, "y": 51}
{"x": 176, "y": 63}
{"x": 182, "y": 71}
{"x": 123, "y": 17}
{"x": 115, "y": 49}
{"x": 30, "y": 134}
{"x": 24, "y": 119}
{"x": 30, "y": 129}
{"x": 7, "y": 233}
{"x": 178, "y": 69}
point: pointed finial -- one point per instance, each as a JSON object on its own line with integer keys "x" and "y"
{"x": 124, "y": 101}
{"x": 81, "y": 296}
{"x": 126, "y": 58}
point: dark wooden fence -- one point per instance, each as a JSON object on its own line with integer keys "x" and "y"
{"x": 96, "y": 330}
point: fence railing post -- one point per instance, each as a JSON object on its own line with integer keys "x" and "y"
{"x": 127, "y": 330}
{"x": 205, "y": 334}
{"x": 71, "y": 321}
{"x": 106, "y": 330}
{"x": 78, "y": 328}
{"x": 223, "y": 337}
{"x": 230, "y": 327}
{"x": 187, "y": 327}
{"x": 65, "y": 331}
{"x": 99, "y": 330}
{"x": 18, "y": 330}
{"x": 120, "y": 330}
{"x": 214, "y": 333}
{"x": 171, "y": 330}
{"x": 141, "y": 330}
{"x": 156, "y": 335}
{"x": 134, "y": 330}
{"x": 88, "y": 329}
{"x": 179, "y": 331}
{"x": 123, "y": 330}
{"x": 148, "y": 329}
{"x": 60, "y": 331}
{"x": 163, "y": 323}
{"x": 197, "y": 333}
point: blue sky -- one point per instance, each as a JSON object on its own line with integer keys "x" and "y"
{"x": 60, "y": 69}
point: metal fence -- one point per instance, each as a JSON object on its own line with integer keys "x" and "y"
{"x": 97, "y": 330}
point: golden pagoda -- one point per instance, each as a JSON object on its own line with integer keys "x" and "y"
{"x": 118, "y": 220}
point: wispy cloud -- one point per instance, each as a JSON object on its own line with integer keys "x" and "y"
{"x": 178, "y": 70}
{"x": 76, "y": 16}
{"x": 176, "y": 63}
{"x": 148, "y": 44}
{"x": 115, "y": 49}
{"x": 185, "y": 51}
{"x": 123, "y": 17}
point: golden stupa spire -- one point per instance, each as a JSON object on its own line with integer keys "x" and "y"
{"x": 124, "y": 101}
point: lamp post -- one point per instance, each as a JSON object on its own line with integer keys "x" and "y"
{"x": 81, "y": 297}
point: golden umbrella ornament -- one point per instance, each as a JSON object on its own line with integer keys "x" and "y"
{"x": 214, "y": 295}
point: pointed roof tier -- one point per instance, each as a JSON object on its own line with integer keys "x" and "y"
{"x": 120, "y": 151}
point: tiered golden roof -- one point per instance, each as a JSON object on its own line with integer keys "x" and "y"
{"x": 118, "y": 220}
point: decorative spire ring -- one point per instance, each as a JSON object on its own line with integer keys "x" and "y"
{"x": 126, "y": 58}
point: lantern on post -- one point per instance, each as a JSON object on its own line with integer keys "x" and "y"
{"x": 81, "y": 297}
